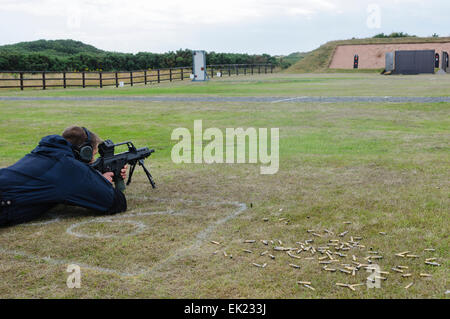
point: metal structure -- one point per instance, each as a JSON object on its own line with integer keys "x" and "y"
{"x": 414, "y": 62}
{"x": 445, "y": 61}
{"x": 389, "y": 62}
{"x": 199, "y": 66}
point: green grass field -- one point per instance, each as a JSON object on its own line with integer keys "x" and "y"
{"x": 364, "y": 168}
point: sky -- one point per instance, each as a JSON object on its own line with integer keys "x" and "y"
{"x": 276, "y": 27}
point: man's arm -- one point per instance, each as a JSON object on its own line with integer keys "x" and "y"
{"x": 86, "y": 187}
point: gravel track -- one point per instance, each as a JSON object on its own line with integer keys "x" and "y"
{"x": 245, "y": 99}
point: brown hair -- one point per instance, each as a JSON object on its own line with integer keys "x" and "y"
{"x": 76, "y": 136}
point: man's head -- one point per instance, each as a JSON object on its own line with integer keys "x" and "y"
{"x": 80, "y": 137}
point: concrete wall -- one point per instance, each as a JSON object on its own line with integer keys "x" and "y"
{"x": 372, "y": 56}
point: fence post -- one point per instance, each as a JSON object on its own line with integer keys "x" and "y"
{"x": 100, "y": 77}
{"x": 131, "y": 78}
{"x": 43, "y": 80}
{"x": 271, "y": 68}
{"x": 159, "y": 76}
{"x": 245, "y": 70}
{"x": 21, "y": 81}
{"x": 229, "y": 71}
{"x": 265, "y": 69}
{"x": 145, "y": 77}
{"x": 259, "y": 69}
{"x": 182, "y": 74}
{"x": 212, "y": 72}
{"x": 252, "y": 69}
{"x": 170, "y": 74}
{"x": 237, "y": 69}
{"x": 84, "y": 80}
{"x": 64, "y": 80}
{"x": 117, "y": 80}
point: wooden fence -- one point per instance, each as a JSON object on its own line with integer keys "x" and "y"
{"x": 49, "y": 79}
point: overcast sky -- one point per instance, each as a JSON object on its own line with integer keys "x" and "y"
{"x": 246, "y": 26}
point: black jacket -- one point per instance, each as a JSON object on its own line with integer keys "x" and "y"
{"x": 50, "y": 175}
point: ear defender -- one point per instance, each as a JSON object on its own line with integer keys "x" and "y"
{"x": 85, "y": 152}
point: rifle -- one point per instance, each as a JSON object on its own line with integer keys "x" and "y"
{"x": 108, "y": 162}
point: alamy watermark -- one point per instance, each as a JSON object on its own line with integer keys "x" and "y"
{"x": 74, "y": 279}
{"x": 374, "y": 16}
{"x": 236, "y": 146}
{"x": 374, "y": 279}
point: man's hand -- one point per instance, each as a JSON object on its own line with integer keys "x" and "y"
{"x": 123, "y": 172}
{"x": 109, "y": 175}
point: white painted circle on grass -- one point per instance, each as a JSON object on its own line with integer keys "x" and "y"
{"x": 72, "y": 230}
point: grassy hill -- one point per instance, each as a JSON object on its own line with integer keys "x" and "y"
{"x": 52, "y": 47}
{"x": 319, "y": 59}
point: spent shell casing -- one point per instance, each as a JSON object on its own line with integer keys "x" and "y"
{"x": 329, "y": 269}
{"x": 432, "y": 263}
{"x": 272, "y": 256}
{"x": 425, "y": 275}
{"x": 347, "y": 223}
{"x": 409, "y": 285}
{"x": 304, "y": 282}
{"x": 397, "y": 270}
{"x": 382, "y": 233}
{"x": 294, "y": 266}
{"x": 341, "y": 284}
{"x": 343, "y": 233}
{"x": 406, "y": 275}
{"x": 263, "y": 253}
{"x": 266, "y": 219}
{"x": 247, "y": 251}
{"x": 249, "y": 241}
{"x": 412, "y": 256}
{"x": 317, "y": 235}
{"x": 344, "y": 271}
{"x": 431, "y": 259}
{"x": 264, "y": 265}
{"x": 308, "y": 286}
{"x": 225, "y": 253}
{"x": 293, "y": 256}
{"x": 280, "y": 242}
{"x": 215, "y": 242}
{"x": 381, "y": 278}
{"x": 257, "y": 265}
{"x": 402, "y": 267}
{"x": 265, "y": 242}
{"x": 429, "y": 249}
{"x": 278, "y": 248}
{"x": 325, "y": 262}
